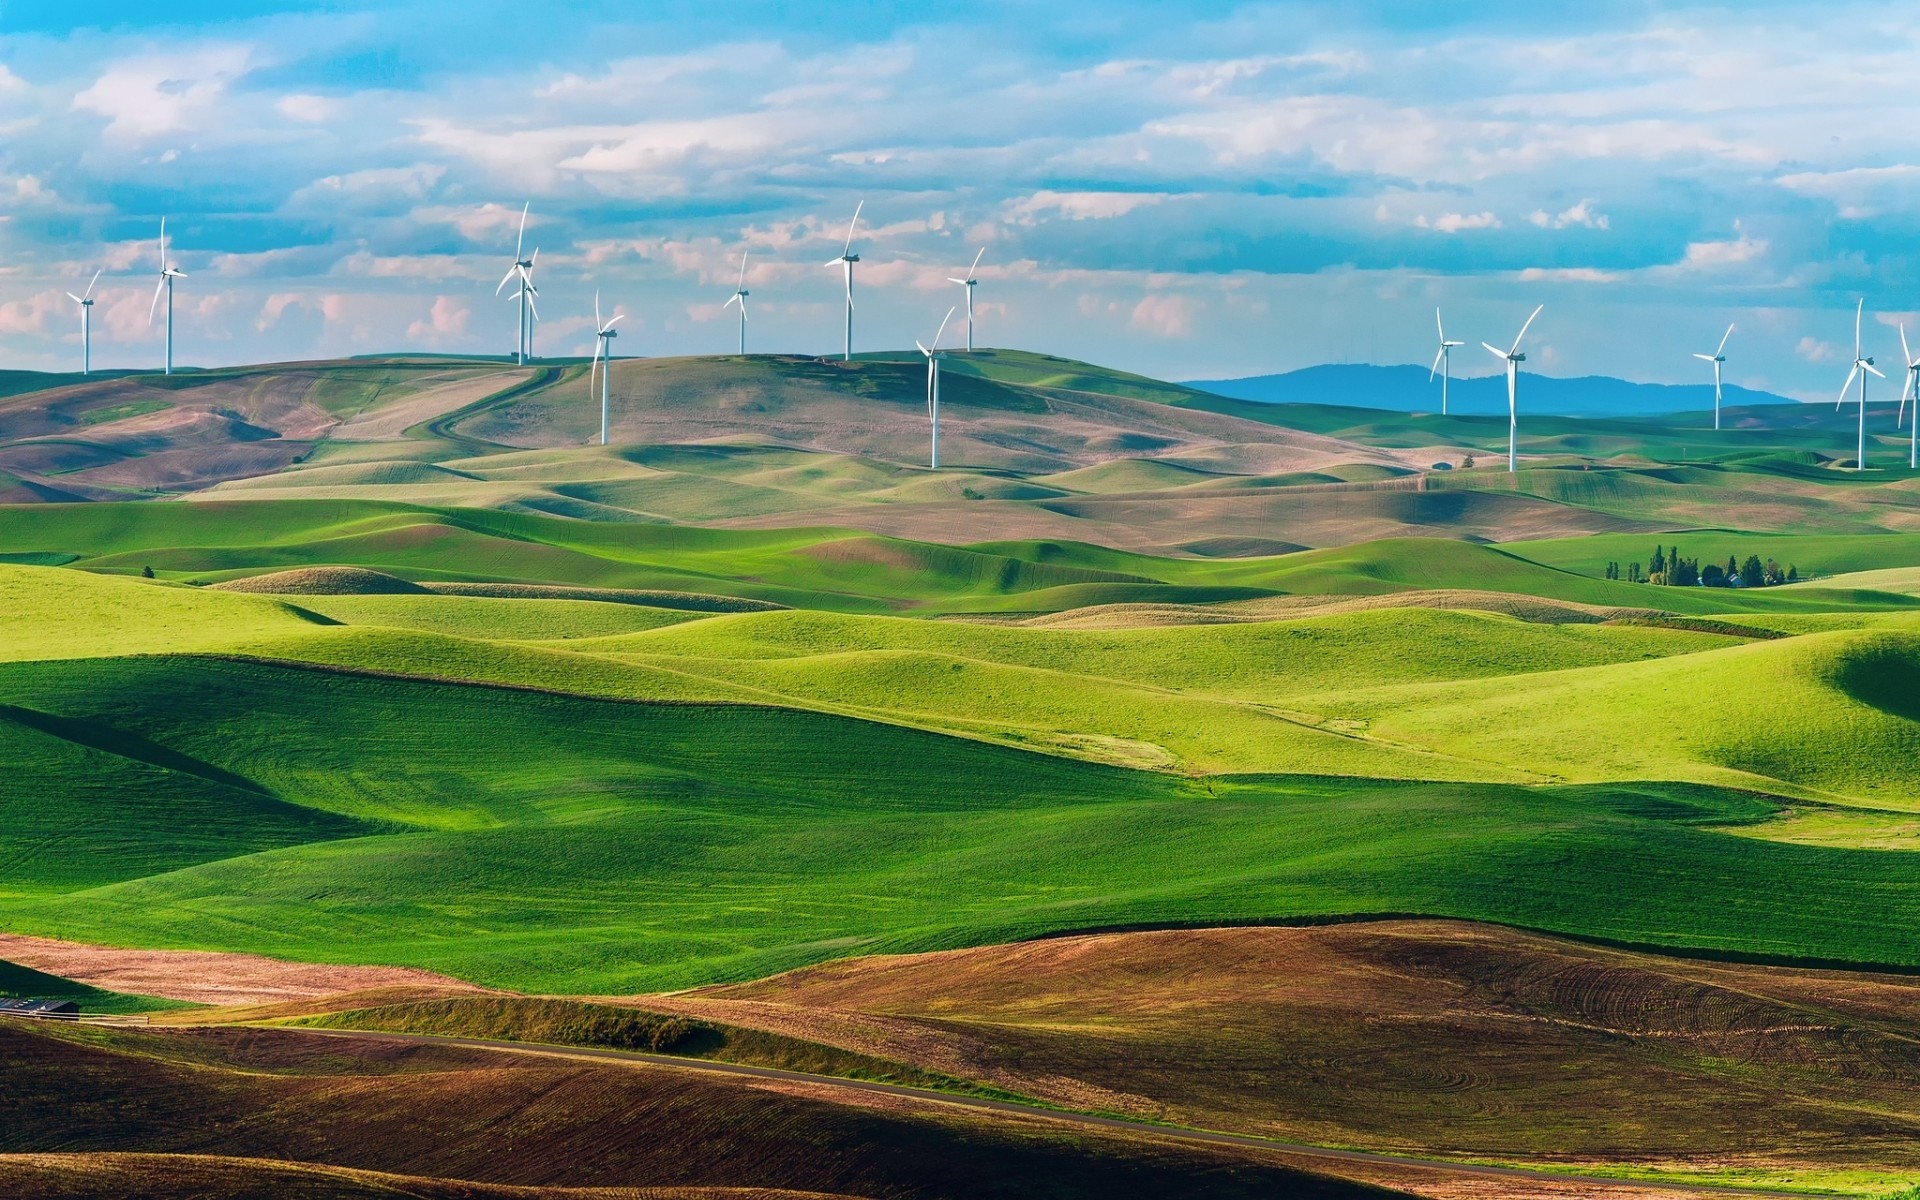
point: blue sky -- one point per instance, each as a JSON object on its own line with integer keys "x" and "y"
{"x": 1184, "y": 190}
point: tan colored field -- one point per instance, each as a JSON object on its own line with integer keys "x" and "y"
{"x": 1427, "y": 1036}
{"x": 205, "y": 977}
{"x": 251, "y": 1111}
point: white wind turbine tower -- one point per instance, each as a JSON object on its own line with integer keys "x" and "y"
{"x": 970, "y": 282}
{"x": 168, "y": 274}
{"x": 1862, "y": 367}
{"x": 739, "y": 298}
{"x": 1718, "y": 358}
{"x": 1442, "y": 361}
{"x": 933, "y": 390}
{"x": 846, "y": 260}
{"x": 1513, "y": 359}
{"x": 522, "y": 269}
{"x": 602, "y": 352}
{"x": 85, "y": 301}
{"x": 1911, "y": 390}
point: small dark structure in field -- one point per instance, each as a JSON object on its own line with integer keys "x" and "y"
{"x": 56, "y": 1009}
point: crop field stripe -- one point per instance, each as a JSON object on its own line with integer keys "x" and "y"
{"x": 982, "y": 1103}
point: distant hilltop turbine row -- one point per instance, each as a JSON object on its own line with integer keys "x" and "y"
{"x": 1442, "y": 369}
{"x": 520, "y": 273}
{"x": 599, "y": 373}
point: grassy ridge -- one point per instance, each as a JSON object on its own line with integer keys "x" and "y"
{"x": 614, "y": 847}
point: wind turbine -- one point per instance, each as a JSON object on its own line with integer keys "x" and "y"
{"x": 739, "y": 297}
{"x": 603, "y": 349}
{"x": 1717, "y": 358}
{"x": 85, "y": 301}
{"x": 168, "y": 274}
{"x": 969, "y": 282}
{"x": 846, "y": 260}
{"x": 933, "y": 389}
{"x": 1862, "y": 367}
{"x": 1442, "y": 361}
{"x": 1513, "y": 359}
{"x": 1912, "y": 389}
{"x": 522, "y": 269}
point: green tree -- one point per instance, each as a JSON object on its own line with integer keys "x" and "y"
{"x": 1713, "y": 576}
{"x": 146, "y": 572}
{"x": 1753, "y": 573}
{"x": 1793, "y": 574}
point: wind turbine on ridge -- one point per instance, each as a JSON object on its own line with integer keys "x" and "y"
{"x": 168, "y": 274}
{"x": 739, "y": 298}
{"x": 522, "y": 269}
{"x": 1911, "y": 390}
{"x": 970, "y": 282}
{"x": 1442, "y": 361}
{"x": 933, "y": 389}
{"x": 1862, "y": 366}
{"x": 85, "y": 301}
{"x": 1718, "y": 358}
{"x": 1513, "y": 359}
{"x": 846, "y": 260}
{"x": 602, "y": 350}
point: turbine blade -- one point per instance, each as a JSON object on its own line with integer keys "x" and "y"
{"x": 531, "y": 306}
{"x": 153, "y": 307}
{"x": 1494, "y": 350}
{"x": 75, "y": 298}
{"x": 163, "y": 243}
{"x": 520, "y": 242}
{"x": 732, "y": 300}
{"x": 976, "y": 263}
{"x": 1858, "y": 309}
{"x": 1438, "y": 326}
{"x": 1723, "y": 341}
{"x": 1523, "y": 330}
{"x": 923, "y": 349}
{"x": 834, "y": 262}
{"x": 616, "y": 320}
{"x": 1851, "y": 376}
{"x": 743, "y": 272}
{"x": 848, "y": 249}
{"x": 1704, "y": 357}
{"x": 597, "y": 323}
{"x": 1906, "y": 355}
{"x": 1437, "y": 355}
{"x": 89, "y": 292}
{"x": 507, "y": 278}
{"x": 943, "y": 326}
{"x": 1871, "y": 369}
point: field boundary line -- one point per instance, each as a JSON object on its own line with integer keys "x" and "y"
{"x": 1065, "y": 1116}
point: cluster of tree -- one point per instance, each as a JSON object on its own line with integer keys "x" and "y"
{"x": 1669, "y": 568}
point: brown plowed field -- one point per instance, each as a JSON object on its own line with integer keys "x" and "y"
{"x": 445, "y": 1113}
{"x": 1432, "y": 1037}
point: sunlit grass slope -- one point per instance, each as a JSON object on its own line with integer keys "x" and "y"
{"x": 849, "y": 571}
{"x": 556, "y": 842}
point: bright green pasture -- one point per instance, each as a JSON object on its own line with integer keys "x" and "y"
{"x": 559, "y": 843}
{"x": 855, "y": 572}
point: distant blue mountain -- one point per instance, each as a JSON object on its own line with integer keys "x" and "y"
{"x": 1405, "y": 389}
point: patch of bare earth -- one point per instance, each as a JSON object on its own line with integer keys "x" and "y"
{"x": 209, "y": 977}
{"x": 1436, "y": 1038}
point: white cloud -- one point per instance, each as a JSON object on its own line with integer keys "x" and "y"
{"x": 1816, "y": 351}
{"x": 1568, "y": 275}
{"x": 1077, "y": 206}
{"x": 307, "y": 109}
{"x": 1581, "y": 214}
{"x": 445, "y": 322}
{"x": 1457, "y": 222}
{"x": 1170, "y": 316}
{"x": 158, "y": 94}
